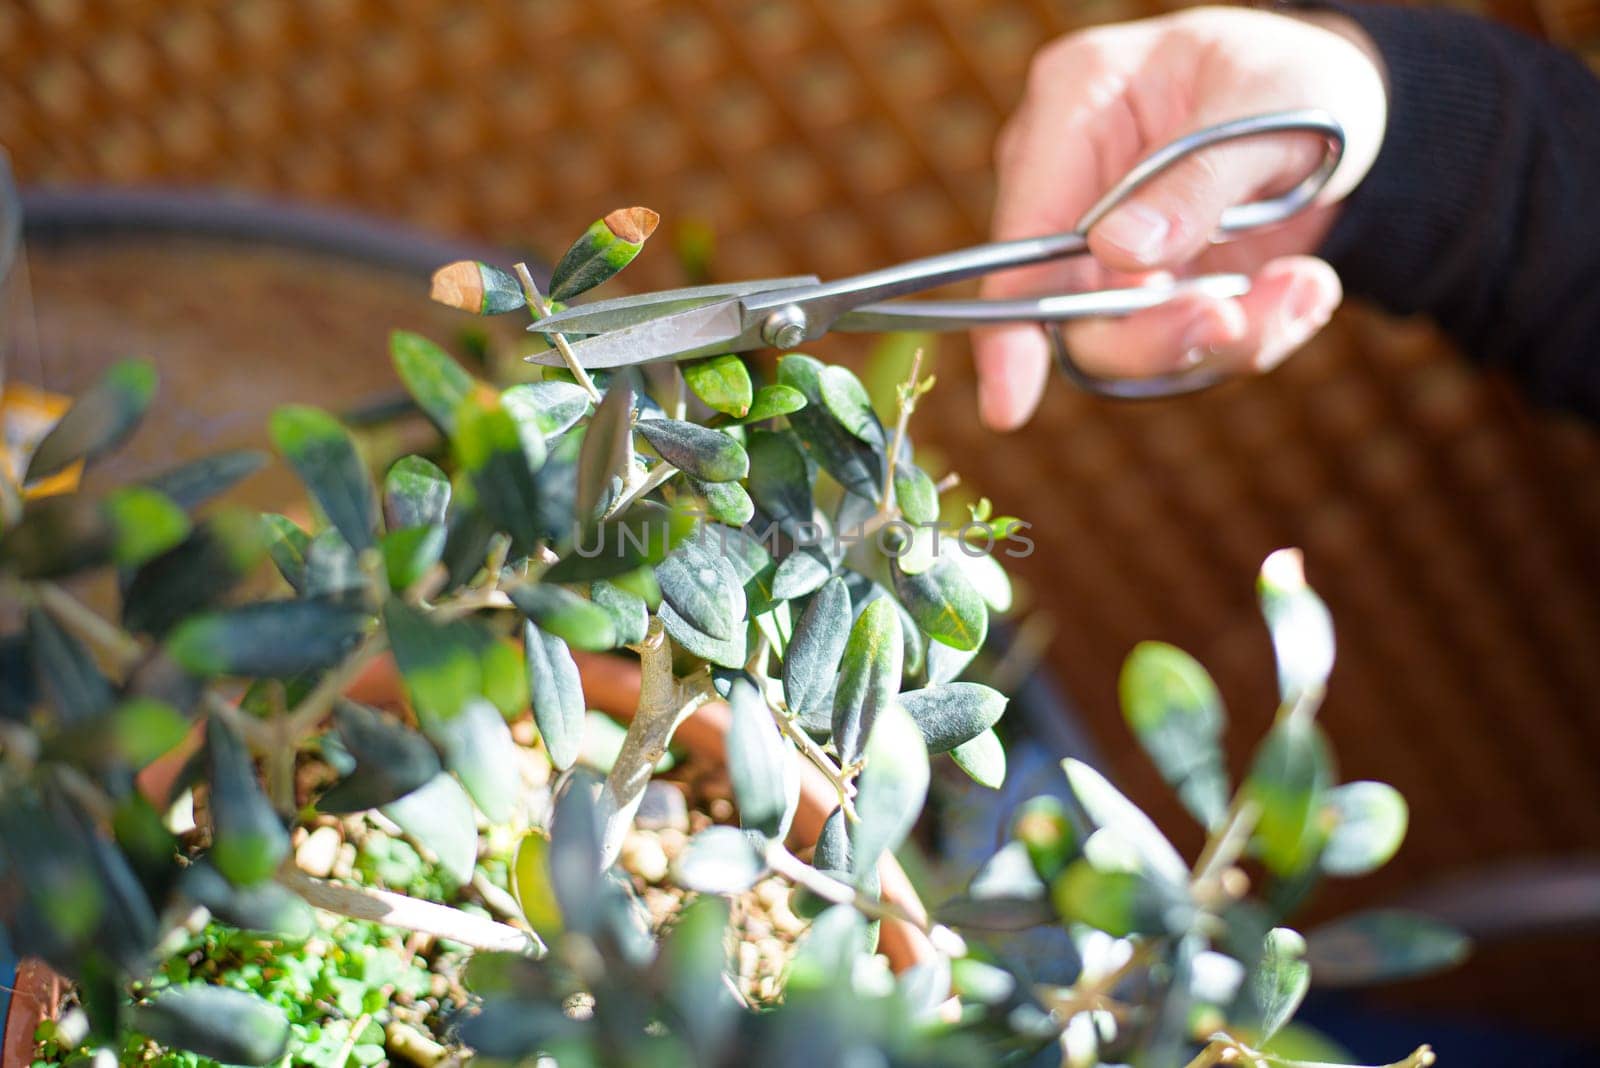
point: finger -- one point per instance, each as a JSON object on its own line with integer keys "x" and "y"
{"x": 1290, "y": 299}
{"x": 1167, "y": 338}
{"x": 1173, "y": 218}
{"x": 1013, "y": 364}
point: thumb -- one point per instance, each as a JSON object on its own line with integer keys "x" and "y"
{"x": 1172, "y": 219}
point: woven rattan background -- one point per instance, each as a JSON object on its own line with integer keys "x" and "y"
{"x": 1453, "y": 533}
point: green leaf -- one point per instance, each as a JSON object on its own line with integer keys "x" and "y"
{"x": 1176, "y": 713}
{"x": 248, "y": 841}
{"x": 630, "y": 615}
{"x": 1382, "y": 946}
{"x": 719, "y": 860}
{"x": 144, "y": 728}
{"x": 811, "y": 662}
{"x": 722, "y": 382}
{"x": 987, "y": 577}
{"x": 846, "y": 400}
{"x": 434, "y": 380}
{"x": 609, "y": 245}
{"x": 391, "y": 760}
{"x": 100, "y": 419}
{"x": 200, "y": 573}
{"x": 726, "y": 502}
{"x": 916, "y": 494}
{"x": 723, "y": 652}
{"x": 501, "y": 457}
{"x": 983, "y": 758}
{"x": 699, "y": 582}
{"x": 477, "y": 287}
{"x": 557, "y": 695}
{"x": 553, "y": 407}
{"x": 576, "y": 875}
{"x": 416, "y": 493}
{"x": 446, "y": 664}
{"x": 267, "y": 908}
{"x": 828, "y": 952}
{"x": 557, "y": 610}
{"x": 1287, "y": 780}
{"x": 1281, "y": 980}
{"x": 773, "y": 401}
{"x": 288, "y": 545}
{"x": 953, "y": 714}
{"x": 779, "y": 482}
{"x": 193, "y": 483}
{"x": 219, "y": 1022}
{"x": 477, "y": 748}
{"x": 531, "y": 886}
{"x": 439, "y": 816}
{"x": 758, "y": 762}
{"x": 408, "y": 553}
{"x": 1108, "y": 810}
{"x": 709, "y": 455}
{"x": 641, "y": 537}
{"x": 333, "y": 571}
{"x": 607, "y": 452}
{"x": 1300, "y": 624}
{"x": 324, "y": 455}
{"x": 1370, "y": 821}
{"x": 67, "y": 674}
{"x": 1045, "y": 830}
{"x": 276, "y": 639}
{"x": 849, "y": 460}
{"x": 945, "y": 605}
{"x": 892, "y": 786}
{"x": 869, "y": 679}
{"x": 1119, "y": 903}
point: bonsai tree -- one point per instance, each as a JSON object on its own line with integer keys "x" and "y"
{"x": 771, "y": 546}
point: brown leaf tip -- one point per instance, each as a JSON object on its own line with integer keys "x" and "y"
{"x": 633, "y": 225}
{"x": 459, "y": 285}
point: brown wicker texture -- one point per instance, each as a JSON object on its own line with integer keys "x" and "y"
{"x": 1453, "y": 533}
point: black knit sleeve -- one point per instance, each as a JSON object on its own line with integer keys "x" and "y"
{"x": 1483, "y": 207}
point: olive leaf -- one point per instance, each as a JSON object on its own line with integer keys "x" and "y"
{"x": 439, "y": 816}
{"x": 274, "y": 639}
{"x": 501, "y": 456}
{"x": 707, "y": 454}
{"x": 266, "y": 908}
{"x": 445, "y": 665}
{"x": 1370, "y": 821}
{"x": 1281, "y": 979}
{"x": 219, "y": 1022}
{"x": 722, "y": 382}
{"x": 477, "y": 287}
{"x": 477, "y": 749}
{"x": 193, "y": 483}
{"x": 435, "y": 381}
{"x": 773, "y": 401}
{"x": 730, "y": 652}
{"x": 642, "y": 536}
{"x": 892, "y": 786}
{"x": 609, "y": 245}
{"x": 66, "y": 673}
{"x": 1109, "y": 811}
{"x": 248, "y": 841}
{"x": 953, "y": 714}
{"x": 557, "y": 694}
{"x": 944, "y": 604}
{"x": 759, "y": 758}
{"x": 391, "y": 761}
{"x": 1382, "y": 945}
{"x": 726, "y": 502}
{"x": 1291, "y": 770}
{"x": 333, "y": 570}
{"x": 719, "y": 860}
{"x": 102, "y": 417}
{"x": 531, "y": 886}
{"x": 1120, "y": 903}
{"x": 607, "y": 452}
{"x": 983, "y": 759}
{"x": 322, "y": 453}
{"x": 408, "y": 553}
{"x": 1006, "y": 894}
{"x": 701, "y": 585}
{"x": 630, "y": 614}
{"x": 915, "y": 493}
{"x": 779, "y": 483}
{"x": 844, "y": 456}
{"x": 553, "y": 407}
{"x": 557, "y": 610}
{"x": 1175, "y": 711}
{"x": 200, "y": 572}
{"x": 869, "y": 679}
{"x": 811, "y": 661}
{"x": 416, "y": 493}
{"x": 846, "y": 400}
{"x": 287, "y": 544}
{"x": 1300, "y": 624}
{"x": 62, "y": 535}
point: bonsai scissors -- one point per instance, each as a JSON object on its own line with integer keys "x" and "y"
{"x": 682, "y": 324}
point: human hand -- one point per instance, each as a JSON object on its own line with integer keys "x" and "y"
{"x": 1100, "y": 100}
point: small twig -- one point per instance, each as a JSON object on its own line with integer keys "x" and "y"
{"x": 907, "y": 405}
{"x": 1227, "y": 843}
{"x": 825, "y": 886}
{"x": 680, "y": 393}
{"x": 948, "y": 482}
{"x": 316, "y": 704}
{"x": 411, "y": 914}
{"x": 77, "y": 617}
{"x": 807, "y": 745}
{"x": 498, "y": 901}
{"x": 349, "y": 1044}
{"x": 657, "y": 477}
{"x": 537, "y": 304}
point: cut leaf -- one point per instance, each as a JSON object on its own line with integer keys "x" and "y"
{"x": 609, "y": 245}
{"x": 275, "y": 639}
{"x": 557, "y": 695}
{"x": 953, "y": 714}
{"x": 1176, "y": 713}
{"x": 100, "y": 419}
{"x": 869, "y": 679}
{"x": 477, "y": 287}
{"x": 706, "y": 454}
{"x": 324, "y": 455}
{"x": 722, "y": 382}
{"x": 434, "y": 380}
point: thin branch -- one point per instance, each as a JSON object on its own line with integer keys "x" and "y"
{"x": 1228, "y": 842}
{"x": 411, "y": 914}
{"x": 657, "y": 477}
{"x": 316, "y": 704}
{"x": 908, "y": 404}
{"x": 825, "y": 886}
{"x": 537, "y": 304}
{"x": 77, "y": 617}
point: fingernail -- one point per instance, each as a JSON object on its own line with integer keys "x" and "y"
{"x": 1137, "y": 229}
{"x": 1309, "y": 306}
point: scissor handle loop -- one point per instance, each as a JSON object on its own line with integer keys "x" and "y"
{"x": 1240, "y": 217}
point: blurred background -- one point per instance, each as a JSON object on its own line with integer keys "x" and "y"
{"x": 253, "y": 193}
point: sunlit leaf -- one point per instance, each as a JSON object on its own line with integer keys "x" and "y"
{"x": 288, "y": 544}
{"x": 1044, "y": 828}
{"x": 726, "y": 502}
{"x": 709, "y": 455}
{"x": 605, "y": 248}
{"x": 700, "y": 584}
{"x": 630, "y": 615}
{"x": 1370, "y": 821}
{"x": 1292, "y": 768}
{"x": 438, "y": 814}
{"x": 758, "y": 761}
{"x": 1006, "y": 894}
{"x": 1120, "y": 903}
{"x": 438, "y": 383}
{"x": 916, "y": 494}
{"x": 267, "y": 908}
{"x": 945, "y": 605}
{"x": 477, "y": 748}
{"x": 248, "y": 841}
{"x": 954, "y": 713}
{"x": 640, "y": 537}
{"x": 1176, "y": 713}
{"x": 416, "y": 493}
{"x": 607, "y": 452}
{"x": 869, "y": 679}
{"x": 719, "y": 860}
{"x": 557, "y": 610}
{"x": 779, "y": 482}
{"x": 444, "y": 665}
{"x": 811, "y": 662}
{"x": 531, "y": 886}
{"x": 1281, "y": 979}
{"x": 193, "y": 483}
{"x": 1300, "y": 624}
{"x": 408, "y": 554}
{"x": 724, "y": 652}
{"x": 557, "y": 695}
{"x": 323, "y": 454}
{"x": 333, "y": 570}
{"x": 722, "y": 382}
{"x": 553, "y": 407}
{"x": 391, "y": 760}
{"x": 1382, "y": 946}
{"x": 1107, "y": 809}
{"x": 845, "y": 398}
{"x": 102, "y": 417}
{"x": 219, "y": 1022}
{"x": 983, "y": 759}
{"x": 892, "y": 787}
{"x": 200, "y": 572}
{"x": 275, "y": 639}
{"x": 774, "y": 400}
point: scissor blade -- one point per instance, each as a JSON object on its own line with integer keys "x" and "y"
{"x": 697, "y": 332}
{"x": 618, "y": 312}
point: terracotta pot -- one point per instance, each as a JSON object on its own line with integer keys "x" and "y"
{"x": 611, "y": 684}
{"x": 36, "y": 995}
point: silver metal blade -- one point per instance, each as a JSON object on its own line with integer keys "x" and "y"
{"x": 697, "y": 332}
{"x": 618, "y": 312}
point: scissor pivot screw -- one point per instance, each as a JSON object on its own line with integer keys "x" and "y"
{"x": 784, "y": 328}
